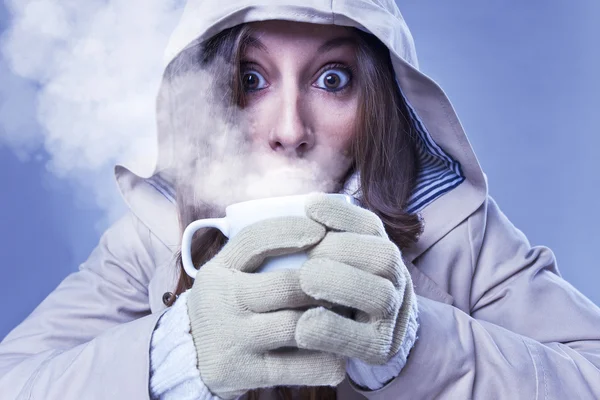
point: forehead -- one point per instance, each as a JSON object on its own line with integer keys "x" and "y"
{"x": 277, "y": 31}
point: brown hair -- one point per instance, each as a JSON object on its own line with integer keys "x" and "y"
{"x": 383, "y": 150}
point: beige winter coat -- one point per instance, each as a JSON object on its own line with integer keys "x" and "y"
{"x": 497, "y": 320}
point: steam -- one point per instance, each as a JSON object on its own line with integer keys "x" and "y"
{"x": 79, "y": 81}
{"x": 231, "y": 180}
{"x": 83, "y": 78}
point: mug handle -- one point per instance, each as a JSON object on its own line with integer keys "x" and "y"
{"x": 186, "y": 240}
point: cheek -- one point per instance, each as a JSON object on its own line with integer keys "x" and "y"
{"x": 255, "y": 122}
{"x": 336, "y": 122}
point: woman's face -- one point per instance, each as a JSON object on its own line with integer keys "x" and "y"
{"x": 301, "y": 95}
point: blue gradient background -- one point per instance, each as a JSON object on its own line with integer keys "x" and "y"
{"x": 522, "y": 76}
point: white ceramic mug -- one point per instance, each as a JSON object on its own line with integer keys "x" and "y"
{"x": 240, "y": 215}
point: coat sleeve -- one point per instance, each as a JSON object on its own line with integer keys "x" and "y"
{"x": 529, "y": 333}
{"x": 90, "y": 338}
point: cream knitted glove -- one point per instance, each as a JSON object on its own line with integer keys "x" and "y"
{"x": 357, "y": 266}
{"x": 238, "y": 318}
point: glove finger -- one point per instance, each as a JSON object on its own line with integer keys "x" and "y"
{"x": 342, "y": 216}
{"x": 321, "y": 329}
{"x": 276, "y": 290}
{"x": 300, "y": 367}
{"x": 409, "y": 307}
{"x": 247, "y": 250}
{"x": 371, "y": 254}
{"x": 270, "y": 331}
{"x": 351, "y": 287}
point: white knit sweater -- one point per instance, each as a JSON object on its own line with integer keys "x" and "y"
{"x": 174, "y": 375}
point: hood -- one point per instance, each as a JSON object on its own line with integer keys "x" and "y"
{"x": 450, "y": 183}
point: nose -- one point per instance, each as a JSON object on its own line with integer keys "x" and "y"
{"x": 291, "y": 133}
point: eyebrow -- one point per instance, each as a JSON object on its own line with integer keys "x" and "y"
{"x": 331, "y": 44}
{"x": 255, "y": 42}
{"x": 336, "y": 42}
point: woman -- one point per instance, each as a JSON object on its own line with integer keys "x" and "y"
{"x": 471, "y": 309}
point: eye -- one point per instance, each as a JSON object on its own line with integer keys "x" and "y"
{"x": 334, "y": 79}
{"x": 252, "y": 81}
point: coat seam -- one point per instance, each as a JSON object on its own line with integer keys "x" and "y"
{"x": 472, "y": 256}
{"x": 31, "y": 381}
{"x": 475, "y": 257}
{"x": 535, "y": 369}
{"x": 543, "y": 373}
{"x": 137, "y": 226}
{"x": 471, "y": 252}
{"x": 147, "y": 237}
{"x": 332, "y": 13}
